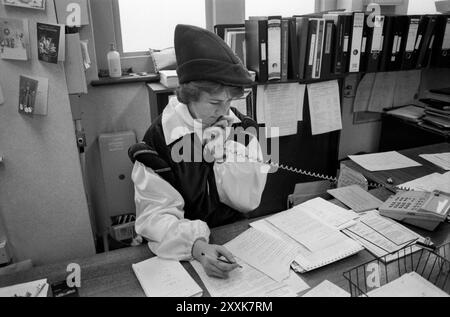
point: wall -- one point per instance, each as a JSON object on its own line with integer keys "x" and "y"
{"x": 109, "y": 109}
{"x": 42, "y": 198}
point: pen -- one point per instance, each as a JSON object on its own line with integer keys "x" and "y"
{"x": 219, "y": 259}
{"x": 39, "y": 289}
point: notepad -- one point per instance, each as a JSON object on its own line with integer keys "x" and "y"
{"x": 356, "y": 198}
{"x": 331, "y": 245}
{"x": 165, "y": 278}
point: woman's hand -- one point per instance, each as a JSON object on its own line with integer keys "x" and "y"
{"x": 208, "y": 255}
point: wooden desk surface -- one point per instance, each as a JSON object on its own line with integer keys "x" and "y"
{"x": 404, "y": 175}
{"x": 110, "y": 274}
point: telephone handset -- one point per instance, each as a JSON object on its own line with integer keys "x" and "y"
{"x": 422, "y": 209}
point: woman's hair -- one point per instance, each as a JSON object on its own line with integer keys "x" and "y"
{"x": 191, "y": 91}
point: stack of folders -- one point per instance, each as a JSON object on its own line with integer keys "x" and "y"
{"x": 410, "y": 113}
{"x": 165, "y": 278}
{"x": 323, "y": 45}
{"x": 437, "y": 115}
{"x": 313, "y": 229}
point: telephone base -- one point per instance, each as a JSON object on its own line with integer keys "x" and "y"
{"x": 426, "y": 224}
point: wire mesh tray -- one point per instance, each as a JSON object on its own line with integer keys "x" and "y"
{"x": 434, "y": 266}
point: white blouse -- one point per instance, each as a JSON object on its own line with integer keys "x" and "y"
{"x": 159, "y": 206}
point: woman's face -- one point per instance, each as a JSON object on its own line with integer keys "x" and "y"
{"x": 210, "y": 107}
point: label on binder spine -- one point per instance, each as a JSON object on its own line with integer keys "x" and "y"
{"x": 311, "y": 51}
{"x": 446, "y": 43}
{"x": 412, "y": 35}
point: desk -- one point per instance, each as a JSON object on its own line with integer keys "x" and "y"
{"x": 110, "y": 274}
{"x": 404, "y": 175}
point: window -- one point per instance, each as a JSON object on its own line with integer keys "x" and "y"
{"x": 421, "y": 7}
{"x": 278, "y": 7}
{"x": 151, "y": 24}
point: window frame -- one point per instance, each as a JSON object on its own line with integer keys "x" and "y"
{"x": 210, "y": 15}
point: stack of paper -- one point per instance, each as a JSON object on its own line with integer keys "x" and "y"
{"x": 429, "y": 183}
{"x": 317, "y": 244}
{"x": 409, "y": 285}
{"x": 382, "y": 236}
{"x": 31, "y": 289}
{"x": 442, "y": 160}
{"x": 165, "y": 278}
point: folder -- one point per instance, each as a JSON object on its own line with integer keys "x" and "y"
{"x": 400, "y": 33}
{"x": 441, "y": 50}
{"x": 388, "y": 43}
{"x": 328, "y": 50}
{"x": 318, "y": 55}
{"x": 293, "y": 65}
{"x": 375, "y": 45}
{"x": 365, "y": 50}
{"x": 313, "y": 27}
{"x": 426, "y": 45}
{"x": 343, "y": 36}
{"x": 413, "y": 40}
{"x": 302, "y": 24}
{"x": 357, "y": 36}
{"x": 256, "y": 45}
{"x": 274, "y": 47}
{"x": 284, "y": 48}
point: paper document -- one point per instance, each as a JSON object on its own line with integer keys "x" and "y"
{"x": 381, "y": 235}
{"x": 165, "y": 278}
{"x": 441, "y": 159}
{"x": 249, "y": 282}
{"x": 383, "y": 161}
{"x": 325, "y": 107}
{"x": 327, "y": 289}
{"x": 356, "y": 198}
{"x": 409, "y": 285}
{"x": 330, "y": 213}
{"x": 37, "y": 288}
{"x": 429, "y": 183}
{"x": 411, "y": 113}
{"x": 363, "y": 93}
{"x": 306, "y": 260}
{"x": 383, "y": 91}
{"x": 265, "y": 253}
{"x": 406, "y": 87}
{"x": 282, "y": 105}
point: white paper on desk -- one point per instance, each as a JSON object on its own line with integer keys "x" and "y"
{"x": 282, "y": 106}
{"x": 383, "y": 161}
{"x": 265, "y": 253}
{"x": 307, "y": 230}
{"x": 249, "y": 282}
{"x": 363, "y": 93}
{"x": 25, "y": 289}
{"x": 409, "y": 285}
{"x": 356, "y": 198}
{"x": 330, "y": 213}
{"x": 406, "y": 87}
{"x": 430, "y": 183}
{"x": 165, "y": 278}
{"x": 440, "y": 159}
{"x": 378, "y": 242}
{"x": 327, "y": 289}
{"x": 325, "y": 107}
{"x": 383, "y": 90}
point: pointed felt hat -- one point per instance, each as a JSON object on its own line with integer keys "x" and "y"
{"x": 202, "y": 55}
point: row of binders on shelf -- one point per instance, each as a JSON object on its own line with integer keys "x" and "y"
{"x": 325, "y": 45}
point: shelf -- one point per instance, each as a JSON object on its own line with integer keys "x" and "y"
{"x": 126, "y": 80}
